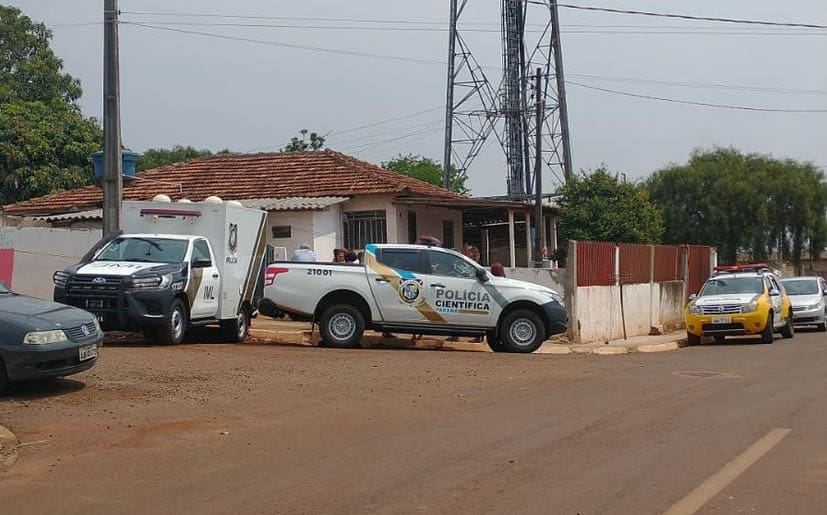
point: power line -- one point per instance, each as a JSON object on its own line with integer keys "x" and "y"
{"x": 442, "y": 63}
{"x": 703, "y": 85}
{"x": 686, "y": 16}
{"x": 691, "y": 102}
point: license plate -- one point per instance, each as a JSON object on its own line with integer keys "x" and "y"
{"x": 721, "y": 320}
{"x": 94, "y": 303}
{"x": 88, "y": 352}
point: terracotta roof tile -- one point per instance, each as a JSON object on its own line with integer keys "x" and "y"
{"x": 245, "y": 176}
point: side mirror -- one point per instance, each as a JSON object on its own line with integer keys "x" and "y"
{"x": 202, "y": 263}
{"x": 482, "y": 276}
{"x": 693, "y": 296}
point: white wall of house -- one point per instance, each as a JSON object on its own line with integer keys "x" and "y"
{"x": 327, "y": 232}
{"x": 301, "y": 230}
{"x": 429, "y": 221}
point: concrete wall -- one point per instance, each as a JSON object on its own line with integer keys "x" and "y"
{"x": 595, "y": 311}
{"x": 556, "y": 279}
{"x": 40, "y": 252}
{"x": 429, "y": 221}
{"x": 327, "y": 232}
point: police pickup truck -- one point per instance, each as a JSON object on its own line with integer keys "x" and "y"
{"x": 175, "y": 266}
{"x": 415, "y": 289}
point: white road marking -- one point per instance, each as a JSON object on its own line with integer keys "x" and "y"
{"x": 695, "y": 499}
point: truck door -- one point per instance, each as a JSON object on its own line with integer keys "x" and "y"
{"x": 394, "y": 277}
{"x": 453, "y": 290}
{"x": 205, "y": 281}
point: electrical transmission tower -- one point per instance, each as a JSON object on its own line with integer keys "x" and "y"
{"x": 477, "y": 107}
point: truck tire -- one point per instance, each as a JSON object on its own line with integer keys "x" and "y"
{"x": 494, "y": 343}
{"x": 175, "y": 327}
{"x": 693, "y": 339}
{"x": 768, "y": 334}
{"x": 788, "y": 331}
{"x": 522, "y": 331}
{"x": 342, "y": 326}
{"x": 235, "y": 330}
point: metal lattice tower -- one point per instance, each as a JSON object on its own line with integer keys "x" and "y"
{"x": 477, "y": 108}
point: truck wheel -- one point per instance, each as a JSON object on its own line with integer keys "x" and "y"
{"x": 522, "y": 331}
{"x": 494, "y": 343}
{"x": 767, "y": 335}
{"x": 342, "y": 326}
{"x": 236, "y": 330}
{"x": 788, "y": 331}
{"x": 172, "y": 332}
{"x": 693, "y": 339}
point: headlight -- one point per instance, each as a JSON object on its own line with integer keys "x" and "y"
{"x": 555, "y": 297}
{"x": 817, "y": 305}
{"x": 60, "y": 279}
{"x": 159, "y": 282}
{"x": 44, "y": 337}
{"x": 98, "y": 329}
{"x": 749, "y": 307}
{"x": 695, "y": 309}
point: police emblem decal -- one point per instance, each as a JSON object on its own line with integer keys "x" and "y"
{"x": 410, "y": 291}
{"x": 233, "y": 240}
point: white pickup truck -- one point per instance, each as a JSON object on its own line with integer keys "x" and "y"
{"x": 415, "y": 289}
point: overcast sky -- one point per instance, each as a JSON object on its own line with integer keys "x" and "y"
{"x": 216, "y": 93}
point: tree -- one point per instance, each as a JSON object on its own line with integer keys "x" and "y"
{"x": 45, "y": 141}
{"x": 427, "y": 170}
{"x": 743, "y": 204}
{"x": 598, "y": 207}
{"x": 156, "y": 157}
{"x": 300, "y": 145}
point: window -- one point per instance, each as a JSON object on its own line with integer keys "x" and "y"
{"x": 450, "y": 265}
{"x": 448, "y": 234}
{"x": 201, "y": 251}
{"x": 401, "y": 259}
{"x": 281, "y": 231}
{"x": 364, "y": 227}
{"x": 150, "y": 250}
{"x": 411, "y": 226}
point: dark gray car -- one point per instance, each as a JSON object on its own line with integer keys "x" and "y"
{"x": 40, "y": 339}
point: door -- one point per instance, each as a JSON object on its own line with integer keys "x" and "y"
{"x": 775, "y": 299}
{"x": 454, "y": 292}
{"x": 395, "y": 278}
{"x": 205, "y": 282}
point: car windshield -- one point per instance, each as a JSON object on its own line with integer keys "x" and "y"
{"x": 801, "y": 286}
{"x": 149, "y": 250}
{"x": 733, "y": 285}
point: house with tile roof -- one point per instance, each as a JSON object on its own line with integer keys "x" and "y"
{"x": 323, "y": 199}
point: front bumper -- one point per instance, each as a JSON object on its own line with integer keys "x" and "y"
{"x": 26, "y": 362}
{"x": 124, "y": 310}
{"x": 809, "y": 316}
{"x": 556, "y": 318}
{"x": 738, "y": 324}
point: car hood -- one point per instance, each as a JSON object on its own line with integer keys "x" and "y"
{"x": 119, "y": 268}
{"x": 503, "y": 282}
{"x": 725, "y": 299}
{"x": 805, "y": 300}
{"x": 37, "y": 314}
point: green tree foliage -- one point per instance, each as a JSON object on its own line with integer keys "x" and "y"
{"x": 598, "y": 207}
{"x": 428, "y": 170}
{"x": 155, "y": 157}
{"x": 316, "y": 142}
{"x": 45, "y": 141}
{"x": 743, "y": 204}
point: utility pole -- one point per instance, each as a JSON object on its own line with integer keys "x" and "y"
{"x": 449, "y": 101}
{"x": 112, "y": 172}
{"x": 557, "y": 50}
{"x": 540, "y": 232}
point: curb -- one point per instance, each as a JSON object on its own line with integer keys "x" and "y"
{"x": 8, "y": 448}
{"x": 611, "y": 350}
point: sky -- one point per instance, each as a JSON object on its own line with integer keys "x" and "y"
{"x": 216, "y": 93}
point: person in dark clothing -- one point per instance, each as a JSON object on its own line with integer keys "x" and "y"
{"x": 350, "y": 257}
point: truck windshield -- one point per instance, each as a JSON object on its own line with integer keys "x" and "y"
{"x": 801, "y": 287}
{"x": 149, "y": 250}
{"x": 733, "y": 286}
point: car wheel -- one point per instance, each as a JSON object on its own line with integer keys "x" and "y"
{"x": 768, "y": 335}
{"x": 522, "y": 331}
{"x": 236, "y": 330}
{"x": 494, "y": 343}
{"x": 172, "y": 333}
{"x": 342, "y": 326}
{"x": 788, "y": 331}
{"x": 693, "y": 339}
{"x": 4, "y": 378}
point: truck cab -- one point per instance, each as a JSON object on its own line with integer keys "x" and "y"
{"x": 199, "y": 268}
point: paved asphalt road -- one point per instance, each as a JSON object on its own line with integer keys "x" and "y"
{"x": 214, "y": 429}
